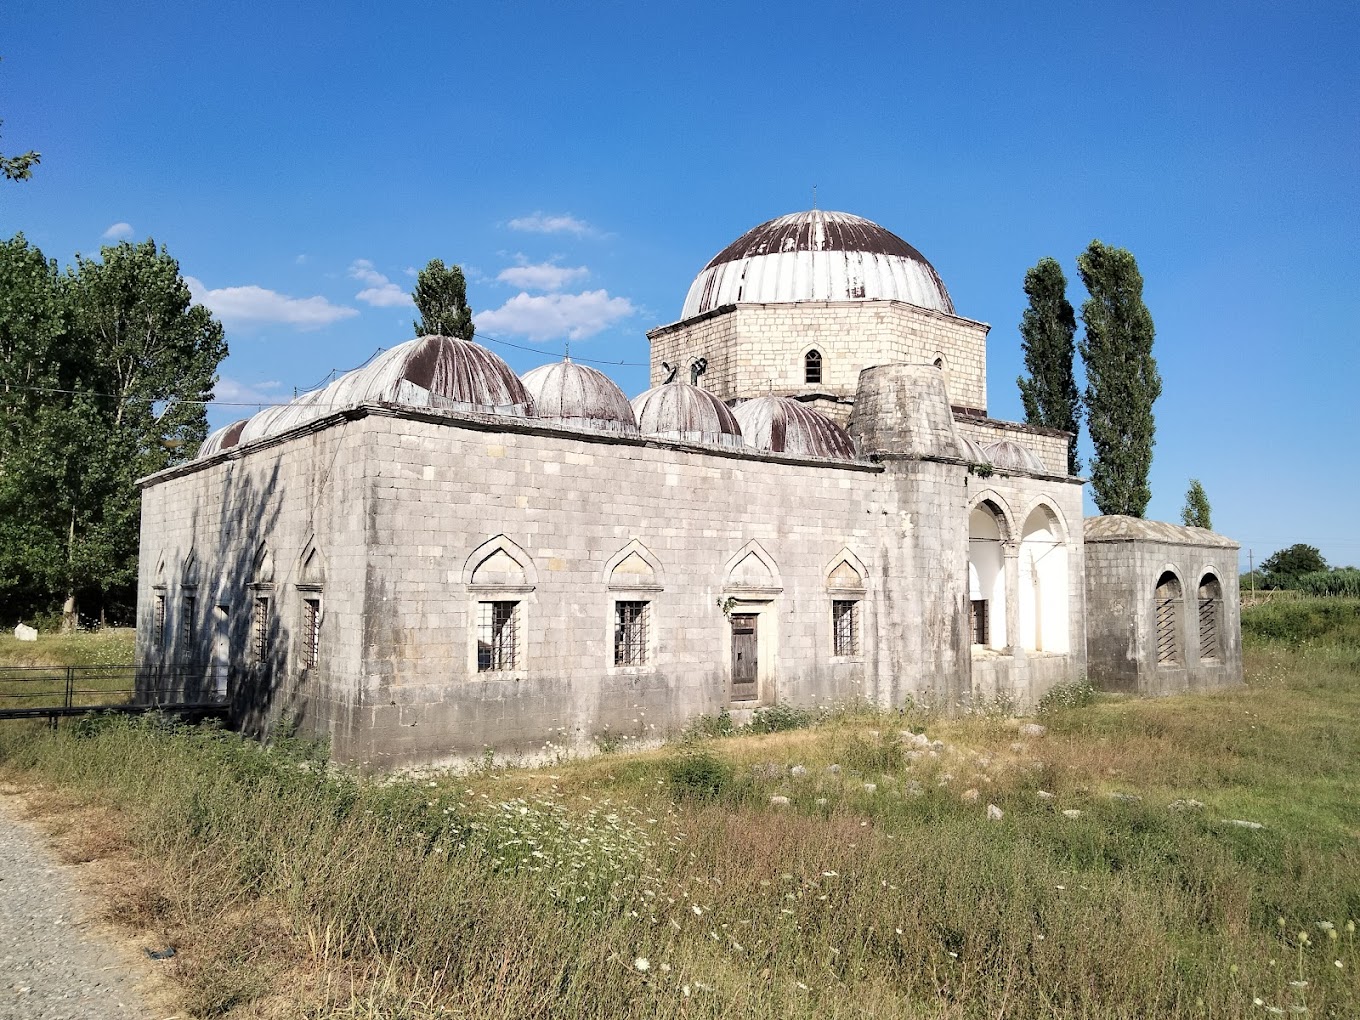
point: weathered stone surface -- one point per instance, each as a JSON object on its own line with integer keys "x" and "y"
{"x": 24, "y": 632}
{"x": 994, "y": 813}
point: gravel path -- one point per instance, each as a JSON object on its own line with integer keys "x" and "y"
{"x": 53, "y": 963}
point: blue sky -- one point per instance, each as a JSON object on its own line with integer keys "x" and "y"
{"x": 584, "y": 163}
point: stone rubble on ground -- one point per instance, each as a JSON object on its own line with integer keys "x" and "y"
{"x": 1182, "y": 804}
{"x": 1033, "y": 729}
{"x": 779, "y": 801}
{"x": 26, "y": 633}
{"x": 969, "y": 796}
{"x": 1243, "y": 823}
{"x": 1071, "y": 813}
{"x": 1045, "y": 795}
{"x": 1126, "y": 798}
{"x": 798, "y": 771}
{"x": 994, "y": 813}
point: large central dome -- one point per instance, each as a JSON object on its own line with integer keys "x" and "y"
{"x": 817, "y": 256}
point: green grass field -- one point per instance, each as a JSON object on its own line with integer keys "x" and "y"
{"x": 669, "y": 883}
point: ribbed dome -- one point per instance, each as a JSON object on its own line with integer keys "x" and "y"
{"x": 973, "y": 452}
{"x": 1009, "y": 455}
{"x": 785, "y": 425}
{"x": 580, "y": 397}
{"x": 223, "y": 439}
{"x": 817, "y": 256}
{"x": 681, "y": 411}
{"x": 430, "y": 371}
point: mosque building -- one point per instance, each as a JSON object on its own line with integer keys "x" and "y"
{"x": 430, "y": 557}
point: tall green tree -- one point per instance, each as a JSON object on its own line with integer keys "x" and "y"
{"x": 107, "y": 384}
{"x": 1195, "y": 513}
{"x": 441, "y": 300}
{"x": 1047, "y": 331}
{"x": 1282, "y": 569}
{"x": 20, "y": 167}
{"x": 1122, "y": 382}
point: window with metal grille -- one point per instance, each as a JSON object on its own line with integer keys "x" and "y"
{"x": 845, "y": 626}
{"x": 188, "y": 624}
{"x": 1167, "y": 603}
{"x": 497, "y": 636}
{"x": 158, "y": 622}
{"x": 978, "y": 622}
{"x": 259, "y": 628}
{"x": 812, "y": 367}
{"x": 1210, "y": 613}
{"x": 630, "y": 633}
{"x": 311, "y": 632}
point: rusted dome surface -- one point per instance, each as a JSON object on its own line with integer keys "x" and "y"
{"x": 580, "y": 397}
{"x": 1009, "y": 455}
{"x": 785, "y": 425}
{"x": 817, "y": 256}
{"x": 681, "y": 411}
{"x": 223, "y": 439}
{"x": 430, "y": 371}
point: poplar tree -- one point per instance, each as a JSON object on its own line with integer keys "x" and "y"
{"x": 1048, "y": 329}
{"x": 441, "y": 299}
{"x": 1195, "y": 513}
{"x": 1121, "y": 379}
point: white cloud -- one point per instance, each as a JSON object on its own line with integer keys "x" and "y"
{"x": 411, "y": 271}
{"x": 118, "y": 232}
{"x": 547, "y": 223}
{"x": 541, "y": 276}
{"x": 251, "y": 304}
{"x": 380, "y": 292}
{"x": 232, "y": 391}
{"x": 553, "y": 316}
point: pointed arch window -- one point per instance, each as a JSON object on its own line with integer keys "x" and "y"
{"x": 812, "y": 367}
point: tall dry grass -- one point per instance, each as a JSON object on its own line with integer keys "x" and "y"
{"x": 668, "y": 884}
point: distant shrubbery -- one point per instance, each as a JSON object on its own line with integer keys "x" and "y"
{"x": 1319, "y": 621}
{"x": 1343, "y": 582}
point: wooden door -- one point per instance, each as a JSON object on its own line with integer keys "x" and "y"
{"x": 745, "y": 675}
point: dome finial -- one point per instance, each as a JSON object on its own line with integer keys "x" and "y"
{"x": 814, "y": 198}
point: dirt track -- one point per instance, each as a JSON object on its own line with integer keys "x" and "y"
{"x": 54, "y": 962}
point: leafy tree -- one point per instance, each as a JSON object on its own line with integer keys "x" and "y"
{"x": 1121, "y": 379}
{"x": 115, "y": 373}
{"x": 441, "y": 299}
{"x": 20, "y": 167}
{"x": 1283, "y": 569}
{"x": 1047, "y": 329}
{"x": 1195, "y": 513}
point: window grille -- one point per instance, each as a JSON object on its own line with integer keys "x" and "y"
{"x": 311, "y": 632}
{"x": 978, "y": 621}
{"x": 497, "y": 636}
{"x": 812, "y": 367}
{"x": 630, "y": 633}
{"x": 845, "y": 626}
{"x": 158, "y": 622}
{"x": 259, "y": 628}
{"x": 1168, "y": 601}
{"x": 1210, "y": 612}
{"x": 188, "y": 625}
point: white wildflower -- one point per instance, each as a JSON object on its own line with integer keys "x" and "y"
{"x": 642, "y": 964}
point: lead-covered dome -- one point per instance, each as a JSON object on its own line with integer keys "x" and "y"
{"x": 817, "y": 256}
{"x": 681, "y": 411}
{"x": 430, "y": 371}
{"x": 579, "y": 396}
{"x": 1007, "y": 454}
{"x": 785, "y": 425}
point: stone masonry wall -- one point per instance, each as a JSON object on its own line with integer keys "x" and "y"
{"x": 759, "y": 348}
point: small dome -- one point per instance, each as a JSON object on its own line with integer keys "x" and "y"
{"x": 681, "y": 411}
{"x": 785, "y": 425}
{"x": 430, "y": 371}
{"x": 580, "y": 397}
{"x": 972, "y": 452}
{"x": 223, "y": 439}
{"x": 1011, "y": 456}
{"x": 817, "y": 256}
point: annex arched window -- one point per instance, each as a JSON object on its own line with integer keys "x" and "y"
{"x": 986, "y": 577}
{"x": 1210, "y": 618}
{"x": 812, "y": 367}
{"x": 311, "y": 588}
{"x": 501, "y": 576}
{"x": 1167, "y": 609}
{"x": 1044, "y": 597}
